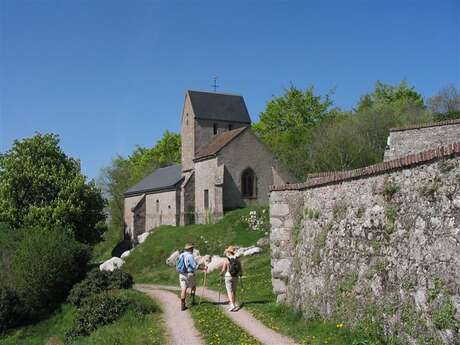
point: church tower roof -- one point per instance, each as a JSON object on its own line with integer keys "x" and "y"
{"x": 219, "y": 106}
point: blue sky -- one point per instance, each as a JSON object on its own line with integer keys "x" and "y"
{"x": 109, "y": 75}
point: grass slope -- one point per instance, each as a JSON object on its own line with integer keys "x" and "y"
{"x": 130, "y": 329}
{"x": 147, "y": 264}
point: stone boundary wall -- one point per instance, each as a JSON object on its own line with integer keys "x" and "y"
{"x": 426, "y": 125}
{"x": 381, "y": 243}
{"x": 379, "y": 168}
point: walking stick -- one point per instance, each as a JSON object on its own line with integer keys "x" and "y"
{"x": 204, "y": 285}
{"x": 242, "y": 292}
{"x": 220, "y": 288}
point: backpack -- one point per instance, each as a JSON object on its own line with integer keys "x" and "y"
{"x": 234, "y": 267}
{"x": 180, "y": 264}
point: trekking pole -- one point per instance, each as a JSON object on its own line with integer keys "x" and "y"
{"x": 242, "y": 292}
{"x": 220, "y": 288}
{"x": 204, "y": 285}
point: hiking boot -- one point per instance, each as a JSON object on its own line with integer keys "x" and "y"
{"x": 183, "y": 306}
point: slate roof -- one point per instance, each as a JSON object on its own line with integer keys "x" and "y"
{"x": 218, "y": 143}
{"x": 160, "y": 179}
{"x": 219, "y": 106}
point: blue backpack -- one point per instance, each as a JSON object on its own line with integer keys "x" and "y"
{"x": 180, "y": 264}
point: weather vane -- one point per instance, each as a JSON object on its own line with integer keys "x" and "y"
{"x": 214, "y": 85}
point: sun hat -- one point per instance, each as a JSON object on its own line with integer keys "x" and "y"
{"x": 231, "y": 250}
{"x": 188, "y": 246}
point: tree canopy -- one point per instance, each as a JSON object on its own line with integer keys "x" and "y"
{"x": 386, "y": 94}
{"x": 40, "y": 186}
{"x": 125, "y": 172}
{"x": 308, "y": 135}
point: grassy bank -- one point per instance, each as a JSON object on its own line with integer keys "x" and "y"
{"x": 130, "y": 329}
{"x": 147, "y": 262}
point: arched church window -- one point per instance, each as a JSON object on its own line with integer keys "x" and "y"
{"x": 214, "y": 127}
{"x": 248, "y": 183}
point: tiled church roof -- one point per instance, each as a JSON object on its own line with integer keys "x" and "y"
{"x": 219, "y": 106}
{"x": 218, "y": 143}
{"x": 160, "y": 179}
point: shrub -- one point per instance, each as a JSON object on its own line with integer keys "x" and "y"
{"x": 119, "y": 279}
{"x": 46, "y": 264}
{"x": 97, "y": 310}
{"x": 98, "y": 281}
{"x": 10, "y": 313}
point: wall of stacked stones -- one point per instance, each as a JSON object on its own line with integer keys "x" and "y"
{"x": 402, "y": 142}
{"x": 383, "y": 247}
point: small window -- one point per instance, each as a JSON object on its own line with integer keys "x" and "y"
{"x": 169, "y": 206}
{"x": 206, "y": 199}
{"x": 214, "y": 126}
{"x": 158, "y": 206}
{"x": 186, "y": 119}
{"x": 230, "y": 127}
{"x": 248, "y": 183}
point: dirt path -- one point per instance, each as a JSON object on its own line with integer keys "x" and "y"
{"x": 242, "y": 318}
{"x": 179, "y": 324}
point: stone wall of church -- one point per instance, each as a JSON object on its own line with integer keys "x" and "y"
{"x": 418, "y": 138}
{"x": 207, "y": 177}
{"x": 166, "y": 213}
{"x": 380, "y": 243}
{"x": 204, "y": 130}
{"x": 187, "y": 135}
{"x": 243, "y": 152}
{"x": 128, "y": 215}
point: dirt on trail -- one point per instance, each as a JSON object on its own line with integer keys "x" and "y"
{"x": 242, "y": 317}
{"x": 179, "y": 324}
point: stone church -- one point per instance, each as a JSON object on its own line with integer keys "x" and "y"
{"x": 224, "y": 166}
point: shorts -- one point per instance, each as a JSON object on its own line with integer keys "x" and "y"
{"x": 187, "y": 280}
{"x": 230, "y": 283}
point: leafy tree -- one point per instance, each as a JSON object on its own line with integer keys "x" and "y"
{"x": 41, "y": 186}
{"x": 390, "y": 94}
{"x": 286, "y": 124}
{"x": 125, "y": 172}
{"x": 446, "y": 103}
{"x": 294, "y": 111}
{"x": 46, "y": 264}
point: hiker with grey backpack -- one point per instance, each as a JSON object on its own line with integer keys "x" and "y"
{"x": 186, "y": 266}
{"x": 232, "y": 271}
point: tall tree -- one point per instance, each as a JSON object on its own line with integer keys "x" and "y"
{"x": 41, "y": 186}
{"x": 286, "y": 123}
{"x": 446, "y": 101}
{"x": 390, "y": 94}
{"x": 125, "y": 172}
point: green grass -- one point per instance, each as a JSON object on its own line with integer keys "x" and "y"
{"x": 147, "y": 262}
{"x": 103, "y": 250}
{"x": 217, "y": 329}
{"x": 130, "y": 329}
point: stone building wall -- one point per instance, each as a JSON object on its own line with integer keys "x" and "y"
{"x": 166, "y": 214}
{"x": 247, "y": 151}
{"x": 380, "y": 243}
{"x": 204, "y": 130}
{"x": 207, "y": 178}
{"x": 128, "y": 215}
{"x": 408, "y": 140}
{"x": 187, "y": 135}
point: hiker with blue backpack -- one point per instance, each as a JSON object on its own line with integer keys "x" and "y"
{"x": 232, "y": 272}
{"x": 186, "y": 266}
